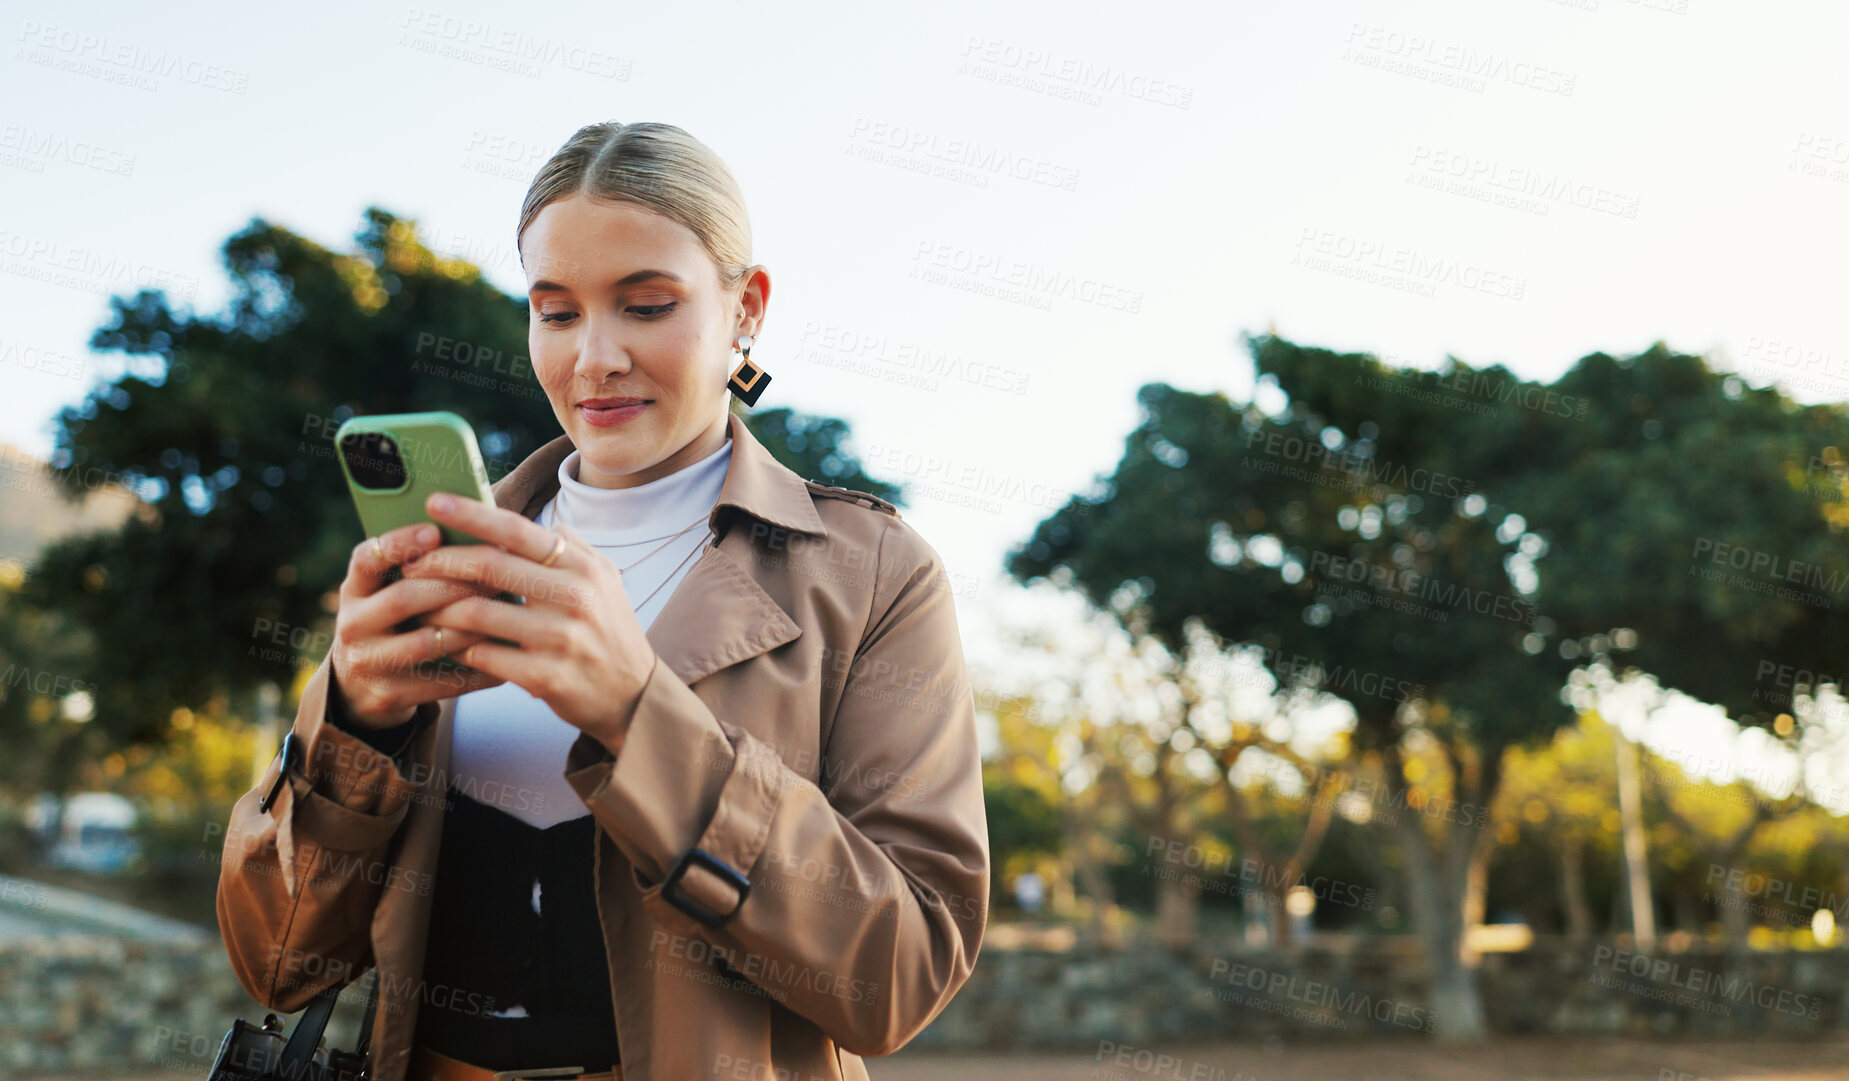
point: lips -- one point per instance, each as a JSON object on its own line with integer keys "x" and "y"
{"x": 607, "y": 411}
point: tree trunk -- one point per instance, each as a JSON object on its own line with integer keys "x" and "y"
{"x": 1101, "y": 925}
{"x": 1573, "y": 888}
{"x": 1445, "y": 889}
{"x": 1636, "y": 858}
{"x": 1177, "y": 906}
{"x": 1736, "y": 922}
{"x": 1280, "y": 916}
{"x": 1438, "y": 917}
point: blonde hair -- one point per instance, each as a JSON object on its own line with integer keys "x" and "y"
{"x": 657, "y": 166}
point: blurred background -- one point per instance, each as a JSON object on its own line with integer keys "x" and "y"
{"x": 1390, "y": 462}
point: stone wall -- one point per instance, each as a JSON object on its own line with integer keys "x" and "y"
{"x": 1376, "y": 988}
{"x": 102, "y": 1006}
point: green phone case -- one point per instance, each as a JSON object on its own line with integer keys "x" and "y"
{"x": 439, "y": 453}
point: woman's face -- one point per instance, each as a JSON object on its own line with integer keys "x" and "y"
{"x": 626, "y": 304}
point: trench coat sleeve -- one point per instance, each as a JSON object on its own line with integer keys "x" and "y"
{"x": 867, "y": 902}
{"x": 297, "y": 884}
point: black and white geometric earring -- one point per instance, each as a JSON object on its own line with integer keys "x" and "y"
{"x": 748, "y": 380}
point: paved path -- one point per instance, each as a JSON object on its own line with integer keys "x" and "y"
{"x": 1506, "y": 1059}
{"x": 32, "y": 909}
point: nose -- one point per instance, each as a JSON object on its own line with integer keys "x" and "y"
{"x": 601, "y": 352}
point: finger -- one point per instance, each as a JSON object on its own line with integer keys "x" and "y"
{"x": 411, "y": 657}
{"x": 504, "y": 663}
{"x": 374, "y": 556}
{"x": 471, "y": 679}
{"x": 501, "y": 571}
{"x": 497, "y": 525}
{"x": 388, "y": 611}
{"x": 484, "y": 616}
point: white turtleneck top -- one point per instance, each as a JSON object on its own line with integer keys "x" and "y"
{"x": 508, "y": 748}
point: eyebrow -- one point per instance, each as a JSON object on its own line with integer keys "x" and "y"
{"x": 544, "y": 286}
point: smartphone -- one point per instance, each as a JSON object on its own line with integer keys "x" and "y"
{"x": 394, "y": 462}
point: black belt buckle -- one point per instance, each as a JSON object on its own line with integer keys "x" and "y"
{"x": 700, "y": 857}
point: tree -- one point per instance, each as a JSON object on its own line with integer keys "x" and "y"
{"x": 224, "y": 426}
{"x": 1383, "y": 579}
{"x": 1474, "y": 536}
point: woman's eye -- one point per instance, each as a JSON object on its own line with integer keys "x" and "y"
{"x": 646, "y": 311}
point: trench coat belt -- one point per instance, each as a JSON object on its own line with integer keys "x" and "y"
{"x": 428, "y": 1065}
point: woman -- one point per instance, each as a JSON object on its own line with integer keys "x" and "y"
{"x": 707, "y": 804}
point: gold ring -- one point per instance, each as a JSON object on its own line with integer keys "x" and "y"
{"x": 379, "y": 548}
{"x": 440, "y": 650}
{"x": 557, "y": 547}
{"x": 466, "y": 652}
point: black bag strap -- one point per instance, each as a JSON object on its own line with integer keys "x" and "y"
{"x": 297, "y": 1061}
{"x": 298, "y": 1054}
{"x": 364, "y": 1047}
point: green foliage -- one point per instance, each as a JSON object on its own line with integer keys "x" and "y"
{"x": 224, "y": 425}
{"x": 1023, "y": 823}
{"x": 816, "y": 448}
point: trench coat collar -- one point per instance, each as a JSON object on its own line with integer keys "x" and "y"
{"x": 718, "y": 615}
{"x": 755, "y": 483}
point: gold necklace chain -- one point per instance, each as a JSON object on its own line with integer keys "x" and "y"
{"x": 651, "y": 593}
{"x": 559, "y": 508}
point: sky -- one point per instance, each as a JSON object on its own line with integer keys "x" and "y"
{"x": 986, "y": 225}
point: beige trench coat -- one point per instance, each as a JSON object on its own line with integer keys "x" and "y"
{"x": 808, "y": 724}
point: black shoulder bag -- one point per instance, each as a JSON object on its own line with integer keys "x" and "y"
{"x": 250, "y": 1053}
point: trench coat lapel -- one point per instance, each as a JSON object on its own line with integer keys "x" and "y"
{"x": 716, "y": 617}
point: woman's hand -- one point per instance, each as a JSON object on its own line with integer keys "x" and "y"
{"x": 378, "y": 672}
{"x": 581, "y": 649}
